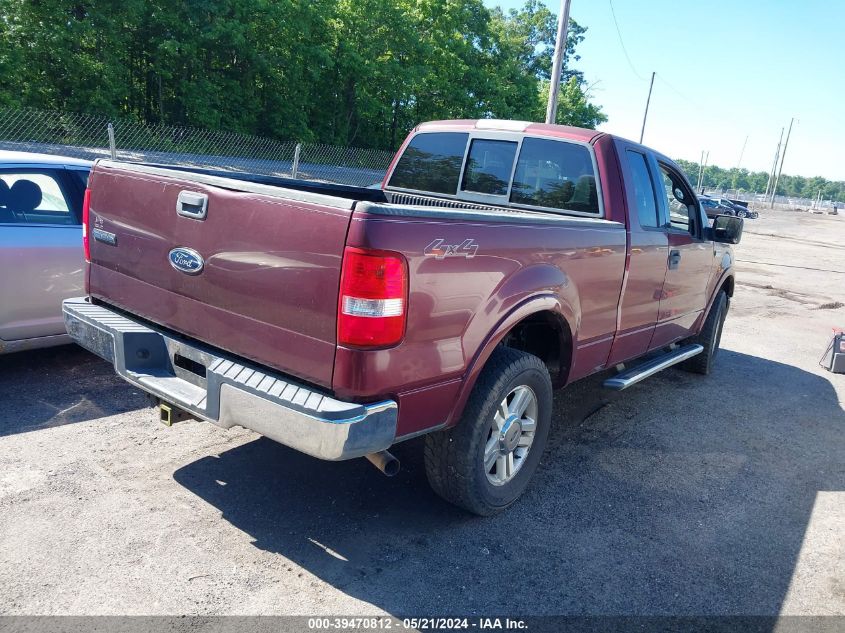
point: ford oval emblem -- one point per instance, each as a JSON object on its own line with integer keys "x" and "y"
{"x": 186, "y": 260}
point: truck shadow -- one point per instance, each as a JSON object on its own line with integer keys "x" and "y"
{"x": 82, "y": 387}
{"x": 684, "y": 495}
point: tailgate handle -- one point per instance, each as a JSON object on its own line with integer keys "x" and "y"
{"x": 191, "y": 204}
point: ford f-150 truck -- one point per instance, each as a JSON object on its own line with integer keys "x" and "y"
{"x": 499, "y": 260}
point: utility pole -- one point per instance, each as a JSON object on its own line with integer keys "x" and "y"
{"x": 557, "y": 63}
{"x": 704, "y": 167}
{"x": 774, "y": 165}
{"x": 742, "y": 153}
{"x": 647, "y": 101}
{"x": 782, "y": 158}
{"x": 700, "y": 171}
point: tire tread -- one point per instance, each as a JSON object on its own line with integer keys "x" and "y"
{"x": 449, "y": 453}
{"x": 702, "y": 363}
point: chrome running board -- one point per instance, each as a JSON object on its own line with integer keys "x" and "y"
{"x": 641, "y": 372}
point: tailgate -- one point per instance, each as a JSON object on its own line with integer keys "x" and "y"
{"x": 267, "y": 286}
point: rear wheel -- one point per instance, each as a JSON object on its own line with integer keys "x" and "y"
{"x": 710, "y": 337}
{"x": 742, "y": 214}
{"x": 485, "y": 462}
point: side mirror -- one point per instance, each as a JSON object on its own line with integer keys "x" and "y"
{"x": 727, "y": 229}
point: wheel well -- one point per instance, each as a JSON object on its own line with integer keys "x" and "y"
{"x": 547, "y": 336}
{"x": 728, "y": 286}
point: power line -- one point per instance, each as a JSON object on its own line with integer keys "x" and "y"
{"x": 622, "y": 43}
{"x": 679, "y": 93}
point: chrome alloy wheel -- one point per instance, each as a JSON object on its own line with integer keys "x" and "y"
{"x": 511, "y": 435}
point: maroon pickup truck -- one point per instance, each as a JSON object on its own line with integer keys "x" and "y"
{"x": 499, "y": 260}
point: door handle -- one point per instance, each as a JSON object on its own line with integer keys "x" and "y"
{"x": 674, "y": 259}
{"x": 193, "y": 205}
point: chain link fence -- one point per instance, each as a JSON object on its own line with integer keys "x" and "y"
{"x": 761, "y": 201}
{"x": 91, "y": 137}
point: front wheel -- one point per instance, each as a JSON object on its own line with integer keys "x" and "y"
{"x": 742, "y": 214}
{"x": 485, "y": 462}
{"x": 709, "y": 338}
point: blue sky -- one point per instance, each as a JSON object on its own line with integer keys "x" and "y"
{"x": 725, "y": 70}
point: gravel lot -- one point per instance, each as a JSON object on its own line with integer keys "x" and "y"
{"x": 683, "y": 496}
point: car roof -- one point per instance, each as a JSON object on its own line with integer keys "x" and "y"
{"x": 548, "y": 130}
{"x": 24, "y": 158}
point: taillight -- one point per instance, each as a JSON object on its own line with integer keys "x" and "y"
{"x": 373, "y": 298}
{"x": 86, "y": 215}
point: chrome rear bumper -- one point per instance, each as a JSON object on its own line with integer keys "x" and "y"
{"x": 229, "y": 391}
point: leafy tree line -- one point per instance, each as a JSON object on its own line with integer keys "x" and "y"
{"x": 346, "y": 72}
{"x": 755, "y": 182}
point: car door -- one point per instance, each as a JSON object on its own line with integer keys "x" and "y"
{"x": 690, "y": 258}
{"x": 41, "y": 258}
{"x": 647, "y": 255}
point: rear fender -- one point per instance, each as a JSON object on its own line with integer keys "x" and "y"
{"x": 532, "y": 305}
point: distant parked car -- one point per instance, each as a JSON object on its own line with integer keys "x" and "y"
{"x": 740, "y": 210}
{"x": 712, "y": 207}
{"x": 41, "y": 256}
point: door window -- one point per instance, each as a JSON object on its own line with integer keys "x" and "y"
{"x": 681, "y": 203}
{"x": 644, "y": 196}
{"x": 33, "y": 198}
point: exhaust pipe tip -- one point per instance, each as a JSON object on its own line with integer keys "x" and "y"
{"x": 385, "y": 462}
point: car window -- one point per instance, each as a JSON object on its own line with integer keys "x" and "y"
{"x": 681, "y": 204}
{"x": 431, "y": 163}
{"x": 555, "y": 174}
{"x": 81, "y": 175}
{"x": 489, "y": 166}
{"x": 644, "y": 196}
{"x": 33, "y": 198}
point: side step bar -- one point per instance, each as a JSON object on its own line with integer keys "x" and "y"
{"x": 649, "y": 368}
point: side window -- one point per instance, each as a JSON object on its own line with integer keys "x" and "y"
{"x": 681, "y": 203}
{"x": 489, "y": 166}
{"x": 555, "y": 174}
{"x": 33, "y": 198}
{"x": 431, "y": 163}
{"x": 645, "y": 198}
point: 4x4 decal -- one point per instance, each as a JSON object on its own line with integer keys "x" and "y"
{"x": 439, "y": 250}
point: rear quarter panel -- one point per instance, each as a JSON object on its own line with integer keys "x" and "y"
{"x": 457, "y": 303}
{"x": 48, "y": 268}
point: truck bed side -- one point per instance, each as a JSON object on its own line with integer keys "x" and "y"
{"x": 457, "y": 302}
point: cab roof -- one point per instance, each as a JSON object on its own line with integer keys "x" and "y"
{"x": 503, "y": 125}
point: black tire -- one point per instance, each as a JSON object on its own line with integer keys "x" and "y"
{"x": 454, "y": 458}
{"x": 742, "y": 214}
{"x": 709, "y": 337}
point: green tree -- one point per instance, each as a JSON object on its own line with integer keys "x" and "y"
{"x": 360, "y": 72}
{"x": 574, "y": 106}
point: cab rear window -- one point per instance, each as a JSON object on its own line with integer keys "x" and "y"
{"x": 431, "y": 162}
{"x": 555, "y": 174}
{"x": 489, "y": 166}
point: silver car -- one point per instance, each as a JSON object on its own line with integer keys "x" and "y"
{"x": 41, "y": 257}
